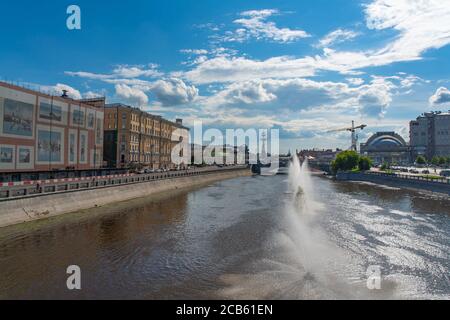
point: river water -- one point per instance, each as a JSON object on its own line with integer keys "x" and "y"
{"x": 239, "y": 238}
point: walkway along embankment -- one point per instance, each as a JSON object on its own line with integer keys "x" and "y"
{"x": 99, "y": 193}
{"x": 400, "y": 181}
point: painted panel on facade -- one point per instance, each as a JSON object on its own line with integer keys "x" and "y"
{"x": 7, "y": 157}
{"x": 73, "y": 146}
{"x": 50, "y": 145}
{"x": 25, "y": 157}
{"x": 78, "y": 116}
{"x": 52, "y": 111}
{"x": 83, "y": 147}
{"x": 17, "y": 118}
{"x": 90, "y": 119}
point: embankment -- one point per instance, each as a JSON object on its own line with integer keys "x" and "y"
{"x": 45, "y": 206}
{"x": 396, "y": 181}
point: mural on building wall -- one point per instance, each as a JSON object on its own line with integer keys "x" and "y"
{"x": 17, "y": 118}
{"x": 78, "y": 117}
{"x": 50, "y": 112}
{"x": 25, "y": 157}
{"x": 83, "y": 147}
{"x": 90, "y": 119}
{"x": 99, "y": 132}
{"x": 6, "y": 155}
{"x": 72, "y": 147}
{"x": 49, "y": 146}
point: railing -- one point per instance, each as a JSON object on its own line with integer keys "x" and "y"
{"x": 442, "y": 180}
{"x": 27, "y": 189}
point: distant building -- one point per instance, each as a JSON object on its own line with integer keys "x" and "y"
{"x": 430, "y": 135}
{"x": 136, "y": 138}
{"x": 386, "y": 147}
{"x": 40, "y": 132}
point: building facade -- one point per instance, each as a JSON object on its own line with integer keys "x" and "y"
{"x": 136, "y": 138}
{"x": 39, "y": 132}
{"x": 387, "y": 147}
{"x": 430, "y": 135}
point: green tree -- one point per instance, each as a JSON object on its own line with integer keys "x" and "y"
{"x": 442, "y": 161}
{"x": 435, "y": 161}
{"x": 421, "y": 160}
{"x": 385, "y": 166}
{"x": 365, "y": 163}
{"x": 345, "y": 161}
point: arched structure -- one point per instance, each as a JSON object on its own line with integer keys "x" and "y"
{"x": 387, "y": 147}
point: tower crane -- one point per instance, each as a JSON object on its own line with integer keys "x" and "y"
{"x": 352, "y": 129}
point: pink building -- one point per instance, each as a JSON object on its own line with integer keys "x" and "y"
{"x": 39, "y": 132}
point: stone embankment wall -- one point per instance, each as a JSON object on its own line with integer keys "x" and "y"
{"x": 391, "y": 180}
{"x": 29, "y": 209}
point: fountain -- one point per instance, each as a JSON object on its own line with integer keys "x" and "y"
{"x": 300, "y": 185}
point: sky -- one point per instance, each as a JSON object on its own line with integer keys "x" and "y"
{"x": 303, "y": 67}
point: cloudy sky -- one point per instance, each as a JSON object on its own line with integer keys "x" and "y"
{"x": 304, "y": 67}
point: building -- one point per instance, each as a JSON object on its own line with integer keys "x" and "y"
{"x": 135, "y": 138}
{"x": 387, "y": 147}
{"x": 430, "y": 135}
{"x": 40, "y": 132}
{"x": 319, "y": 159}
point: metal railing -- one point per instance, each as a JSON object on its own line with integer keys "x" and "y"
{"x": 442, "y": 180}
{"x": 41, "y": 188}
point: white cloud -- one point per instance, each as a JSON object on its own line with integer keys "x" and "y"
{"x": 121, "y": 71}
{"x": 194, "y": 51}
{"x": 421, "y": 25}
{"x": 442, "y": 96}
{"x": 254, "y": 25}
{"x": 274, "y": 96}
{"x": 131, "y": 95}
{"x": 355, "y": 81}
{"x": 337, "y": 36}
{"x": 173, "y": 92}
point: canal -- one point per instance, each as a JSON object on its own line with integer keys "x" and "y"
{"x": 240, "y": 238}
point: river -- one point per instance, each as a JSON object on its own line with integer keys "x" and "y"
{"x": 238, "y": 239}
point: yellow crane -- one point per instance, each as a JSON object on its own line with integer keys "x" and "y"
{"x": 352, "y": 129}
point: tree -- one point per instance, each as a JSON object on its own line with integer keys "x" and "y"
{"x": 385, "y": 166}
{"x": 421, "y": 160}
{"x": 345, "y": 161}
{"x": 435, "y": 161}
{"x": 365, "y": 163}
{"x": 442, "y": 161}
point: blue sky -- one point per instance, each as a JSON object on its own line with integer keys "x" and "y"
{"x": 305, "y": 67}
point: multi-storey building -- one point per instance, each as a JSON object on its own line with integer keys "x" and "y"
{"x": 39, "y": 132}
{"x": 430, "y": 135}
{"x": 136, "y": 138}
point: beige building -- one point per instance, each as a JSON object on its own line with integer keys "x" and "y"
{"x": 135, "y": 138}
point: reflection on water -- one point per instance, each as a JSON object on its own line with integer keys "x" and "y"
{"x": 235, "y": 239}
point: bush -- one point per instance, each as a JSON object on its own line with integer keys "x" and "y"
{"x": 385, "y": 166}
{"x": 364, "y": 163}
{"x": 421, "y": 160}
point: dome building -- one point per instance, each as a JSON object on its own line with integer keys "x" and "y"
{"x": 387, "y": 147}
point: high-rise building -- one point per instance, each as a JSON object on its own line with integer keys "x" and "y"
{"x": 40, "y": 132}
{"x": 430, "y": 135}
{"x": 137, "y": 138}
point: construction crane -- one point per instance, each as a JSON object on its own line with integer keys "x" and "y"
{"x": 352, "y": 129}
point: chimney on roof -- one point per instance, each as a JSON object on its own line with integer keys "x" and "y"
{"x": 179, "y": 121}
{"x": 64, "y": 95}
